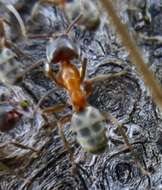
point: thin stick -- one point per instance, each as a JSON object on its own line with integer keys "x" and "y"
{"x": 135, "y": 56}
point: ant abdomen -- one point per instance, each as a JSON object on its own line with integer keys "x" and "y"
{"x": 61, "y": 49}
{"x": 90, "y": 128}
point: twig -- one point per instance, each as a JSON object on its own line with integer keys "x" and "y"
{"x": 135, "y": 55}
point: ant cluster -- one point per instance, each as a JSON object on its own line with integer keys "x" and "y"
{"x": 87, "y": 122}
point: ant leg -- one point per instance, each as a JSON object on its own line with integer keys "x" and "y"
{"x": 48, "y": 110}
{"x": 54, "y": 2}
{"x": 88, "y": 87}
{"x": 22, "y": 146}
{"x": 77, "y": 19}
{"x": 55, "y": 35}
{"x": 126, "y": 140}
{"x": 89, "y": 83}
{"x": 67, "y": 147}
{"x": 83, "y": 69}
{"x": 18, "y": 52}
{"x": 19, "y": 145}
{"x": 20, "y": 76}
{"x": 54, "y": 109}
{"x": 108, "y": 76}
{"x": 52, "y": 75}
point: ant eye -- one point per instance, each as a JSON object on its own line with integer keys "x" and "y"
{"x": 85, "y": 132}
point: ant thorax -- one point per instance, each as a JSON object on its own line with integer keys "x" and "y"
{"x": 90, "y": 129}
{"x": 61, "y": 49}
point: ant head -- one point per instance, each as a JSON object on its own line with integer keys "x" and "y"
{"x": 61, "y": 49}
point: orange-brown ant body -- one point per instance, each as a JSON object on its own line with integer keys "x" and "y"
{"x": 87, "y": 122}
{"x": 62, "y": 51}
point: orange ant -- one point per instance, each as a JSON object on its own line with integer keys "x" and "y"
{"x": 87, "y": 122}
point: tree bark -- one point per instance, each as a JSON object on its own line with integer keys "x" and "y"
{"x": 125, "y": 97}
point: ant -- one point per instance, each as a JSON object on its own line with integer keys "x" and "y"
{"x": 87, "y": 122}
{"x": 72, "y": 9}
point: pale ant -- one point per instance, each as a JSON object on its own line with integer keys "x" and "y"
{"x": 90, "y": 15}
{"x": 87, "y": 122}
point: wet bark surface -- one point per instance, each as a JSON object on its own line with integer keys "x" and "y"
{"x": 125, "y": 97}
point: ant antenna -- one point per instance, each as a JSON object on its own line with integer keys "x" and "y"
{"x": 55, "y": 35}
{"x": 73, "y": 23}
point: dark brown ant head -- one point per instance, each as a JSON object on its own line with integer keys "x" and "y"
{"x": 61, "y": 49}
{"x": 9, "y": 116}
